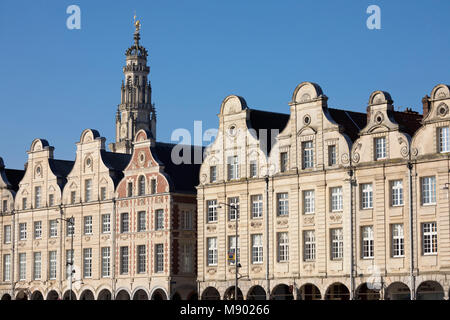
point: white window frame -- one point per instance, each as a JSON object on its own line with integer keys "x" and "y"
{"x": 232, "y": 248}
{"x": 284, "y": 161}
{"x": 212, "y": 211}
{"x": 380, "y": 148}
{"x": 37, "y": 229}
{"x": 141, "y": 252}
{"x": 142, "y": 221}
{"x": 429, "y": 238}
{"x": 106, "y": 262}
{"x": 7, "y": 234}
{"x": 22, "y": 266}
{"x": 87, "y": 225}
{"x": 87, "y": 263}
{"x": 212, "y": 174}
{"x": 52, "y": 265}
{"x": 283, "y": 247}
{"x": 233, "y": 208}
{"x": 309, "y": 245}
{"x": 283, "y": 204}
{"x": 257, "y": 206}
{"x": 37, "y": 265}
{"x": 37, "y": 197}
{"x": 7, "y": 267}
{"x": 308, "y": 202}
{"x": 398, "y": 240}
{"x": 23, "y": 231}
{"x": 337, "y": 244}
{"x": 88, "y": 190}
{"x": 253, "y": 169}
{"x": 124, "y": 266}
{"x": 159, "y": 258}
{"x": 336, "y": 199}
{"x": 397, "y": 193}
{"x": 159, "y": 219}
{"x": 233, "y": 167}
{"x": 444, "y": 139}
{"x": 367, "y": 242}
{"x": 257, "y": 248}
{"x": 307, "y": 154}
{"x": 53, "y": 228}
{"x": 332, "y": 155}
{"x": 428, "y": 188}
{"x": 366, "y": 196}
{"x": 106, "y": 223}
{"x": 212, "y": 251}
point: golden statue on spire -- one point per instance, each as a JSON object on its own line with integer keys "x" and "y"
{"x": 137, "y": 23}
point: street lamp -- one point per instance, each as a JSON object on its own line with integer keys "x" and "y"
{"x": 72, "y": 223}
{"x": 236, "y": 264}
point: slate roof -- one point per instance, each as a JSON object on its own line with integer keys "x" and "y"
{"x": 267, "y": 120}
{"x": 14, "y": 177}
{"x": 353, "y": 122}
{"x": 409, "y": 122}
{"x": 116, "y": 163}
{"x": 60, "y": 168}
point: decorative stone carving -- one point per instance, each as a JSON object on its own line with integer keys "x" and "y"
{"x": 256, "y": 224}
{"x": 336, "y": 217}
{"x": 105, "y": 237}
{"x": 442, "y": 110}
{"x": 211, "y": 271}
{"x": 356, "y": 157}
{"x": 345, "y": 158}
{"x": 309, "y": 266}
{"x": 256, "y": 269}
{"x": 211, "y": 228}
{"x": 308, "y": 220}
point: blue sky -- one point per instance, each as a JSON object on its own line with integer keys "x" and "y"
{"x": 56, "y": 82}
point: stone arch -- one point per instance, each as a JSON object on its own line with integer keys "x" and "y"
{"x": 87, "y": 294}
{"x": 256, "y": 293}
{"x": 140, "y": 294}
{"x": 104, "y": 294}
{"x": 441, "y": 91}
{"x": 158, "y": 294}
{"x": 89, "y": 135}
{"x": 281, "y": 292}
{"x": 210, "y": 293}
{"x": 306, "y": 91}
{"x": 67, "y": 295}
{"x": 380, "y": 97}
{"x": 230, "y": 294}
{"x": 142, "y": 135}
{"x": 38, "y": 145}
{"x": 52, "y": 295}
{"x": 37, "y": 295}
{"x": 363, "y": 292}
{"x": 233, "y": 104}
{"x": 6, "y": 297}
{"x": 337, "y": 291}
{"x": 123, "y": 294}
{"x": 309, "y": 291}
{"x": 22, "y": 295}
{"x": 430, "y": 290}
{"x": 397, "y": 291}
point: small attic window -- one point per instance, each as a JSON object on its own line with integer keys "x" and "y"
{"x": 232, "y": 130}
{"x": 307, "y": 120}
{"x": 88, "y": 162}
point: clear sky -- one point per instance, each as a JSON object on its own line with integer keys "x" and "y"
{"x": 56, "y": 82}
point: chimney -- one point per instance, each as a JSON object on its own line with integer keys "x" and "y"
{"x": 426, "y": 105}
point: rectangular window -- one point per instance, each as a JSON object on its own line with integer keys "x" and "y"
{"x": 153, "y": 186}
{"x": 53, "y": 228}
{"x": 52, "y": 264}
{"x": 429, "y": 238}
{"x": 283, "y": 204}
{"x": 212, "y": 210}
{"x": 283, "y": 161}
{"x": 212, "y": 174}
{"x": 257, "y": 248}
{"x": 159, "y": 216}
{"x": 308, "y": 202}
{"x": 38, "y": 229}
{"x": 73, "y": 196}
{"x": 212, "y": 251}
{"x": 141, "y": 259}
{"x": 124, "y": 223}
{"x": 70, "y": 227}
{"x": 106, "y": 262}
{"x": 22, "y": 231}
{"x": 69, "y": 262}
{"x": 37, "y": 197}
{"x": 24, "y": 203}
{"x": 398, "y": 241}
{"x": 233, "y": 167}
{"x": 123, "y": 260}
{"x": 88, "y": 190}
{"x": 233, "y": 208}
{"x": 309, "y": 246}
{"x": 22, "y": 266}
{"x": 159, "y": 259}
{"x": 336, "y": 199}
{"x": 87, "y": 262}
{"x": 232, "y": 245}
{"x": 141, "y": 221}
{"x": 308, "y": 154}
{"x": 332, "y": 155}
{"x": 429, "y": 190}
{"x": 51, "y": 200}
{"x": 186, "y": 220}
{"x": 283, "y": 247}
{"x": 397, "y": 193}
{"x": 253, "y": 169}
{"x": 106, "y": 223}
{"x": 7, "y": 267}
{"x": 380, "y": 148}
{"x": 130, "y": 189}
{"x": 5, "y": 206}
{"x": 88, "y": 225}
{"x": 7, "y": 234}
{"x": 257, "y": 206}
{"x": 337, "y": 244}
{"x": 187, "y": 257}
{"x": 366, "y": 196}
{"x": 37, "y": 265}
{"x": 367, "y": 242}
{"x": 103, "y": 193}
{"x": 444, "y": 141}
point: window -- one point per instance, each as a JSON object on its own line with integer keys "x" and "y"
{"x": 153, "y": 186}
{"x": 130, "y": 189}
{"x": 5, "y": 206}
{"x": 332, "y": 155}
{"x": 233, "y": 168}
{"x": 103, "y": 193}
{"x": 283, "y": 204}
{"x": 257, "y": 206}
{"x": 212, "y": 210}
{"x": 73, "y": 196}
{"x": 87, "y": 262}
{"x": 308, "y": 154}
{"x": 106, "y": 223}
{"x": 124, "y": 225}
{"x": 283, "y": 161}
{"x": 141, "y": 252}
{"x": 159, "y": 259}
{"x": 106, "y": 262}
{"x": 309, "y": 246}
{"x": 70, "y": 227}
{"x": 22, "y": 266}
{"x": 52, "y": 265}
{"x": 444, "y": 141}
{"x": 380, "y": 148}
{"x": 337, "y": 244}
{"x": 187, "y": 258}
{"x": 7, "y": 267}
{"x": 212, "y": 174}
{"x": 38, "y": 229}
{"x": 212, "y": 251}
{"x": 141, "y": 221}
{"x": 336, "y": 199}
{"x": 367, "y": 196}
{"x": 186, "y": 220}
{"x": 51, "y": 200}
{"x": 7, "y": 234}
{"x": 233, "y": 248}
{"x": 159, "y": 223}
{"x": 36, "y": 265}
{"x": 308, "y": 201}
{"x": 88, "y": 225}
{"x": 257, "y": 248}
{"x": 53, "y": 228}
{"x": 123, "y": 260}
{"x": 428, "y": 190}
{"x": 253, "y": 169}
{"x": 233, "y": 208}
{"x": 397, "y": 193}
{"x": 429, "y": 238}
{"x": 88, "y": 190}
{"x": 22, "y": 231}
{"x": 69, "y": 261}
{"x": 37, "y": 197}
{"x": 283, "y": 247}
{"x": 398, "y": 241}
{"x": 24, "y": 203}
{"x": 367, "y": 242}
{"x": 141, "y": 186}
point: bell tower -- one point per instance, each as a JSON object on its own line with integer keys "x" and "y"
{"x": 135, "y": 111}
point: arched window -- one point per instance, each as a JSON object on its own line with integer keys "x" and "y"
{"x": 141, "y": 184}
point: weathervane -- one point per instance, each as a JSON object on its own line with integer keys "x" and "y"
{"x": 137, "y": 23}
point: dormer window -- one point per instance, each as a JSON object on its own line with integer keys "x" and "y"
{"x": 88, "y": 190}
{"x": 233, "y": 168}
{"x": 37, "y": 197}
{"x": 283, "y": 161}
{"x": 380, "y": 148}
{"x": 444, "y": 143}
{"x": 141, "y": 186}
{"x": 130, "y": 189}
{"x": 212, "y": 174}
{"x": 308, "y": 154}
{"x": 253, "y": 169}
{"x": 332, "y": 155}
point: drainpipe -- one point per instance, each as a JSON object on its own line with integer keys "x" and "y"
{"x": 267, "y": 238}
{"x": 411, "y": 238}
{"x": 113, "y": 253}
{"x": 352, "y": 280}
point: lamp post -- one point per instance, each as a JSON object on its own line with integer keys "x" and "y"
{"x": 233, "y": 207}
{"x": 70, "y": 221}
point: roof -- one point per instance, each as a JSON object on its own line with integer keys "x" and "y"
{"x": 60, "y": 168}
{"x": 269, "y": 121}
{"x": 351, "y": 121}
{"x": 14, "y": 177}
{"x": 182, "y": 177}
{"x": 116, "y": 163}
{"x": 408, "y": 121}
